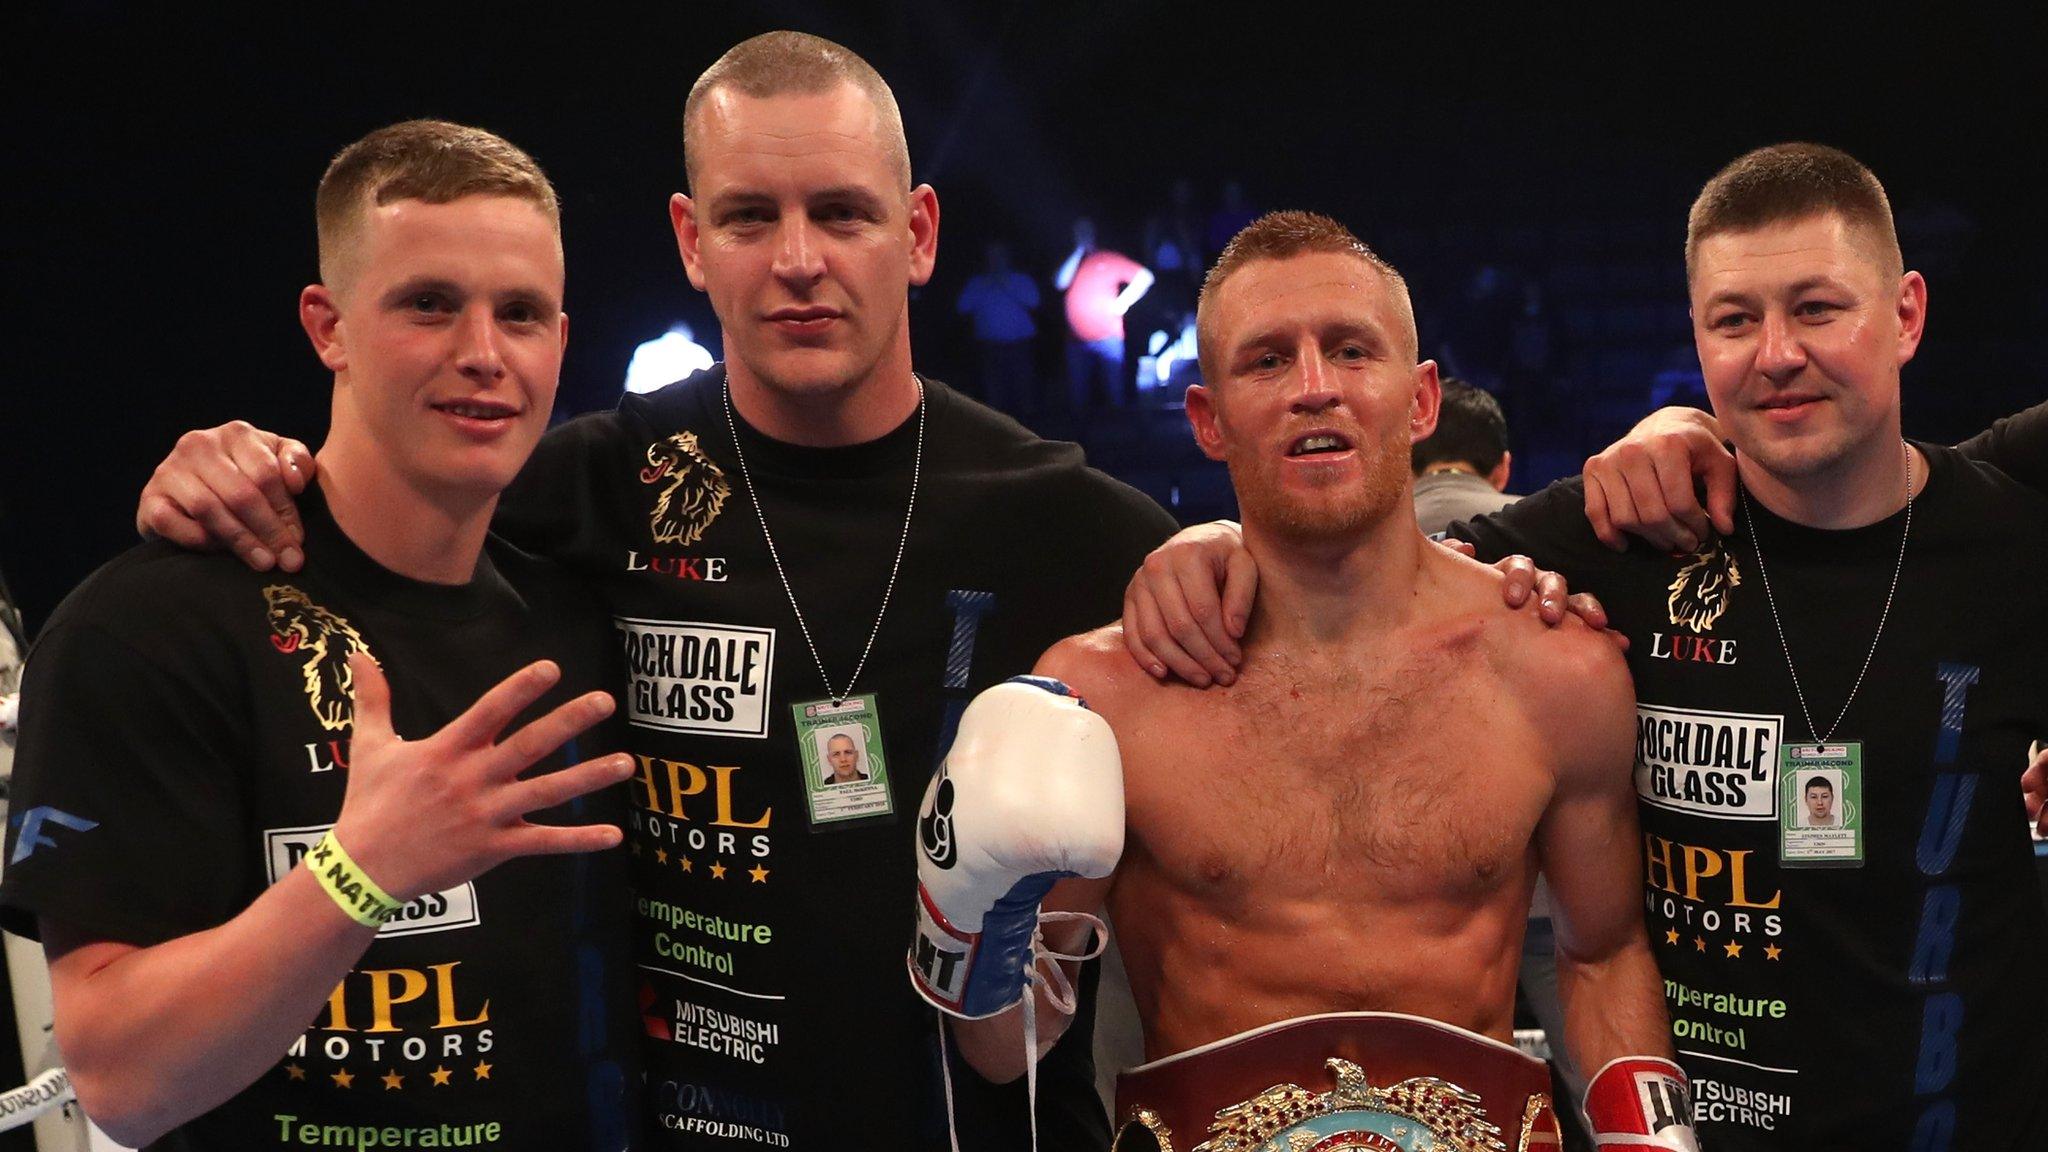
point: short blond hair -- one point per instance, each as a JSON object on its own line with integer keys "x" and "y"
{"x": 1786, "y": 182}
{"x": 429, "y": 160}
{"x": 1278, "y": 236}
{"x": 781, "y": 63}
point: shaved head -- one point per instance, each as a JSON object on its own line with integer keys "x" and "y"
{"x": 785, "y": 63}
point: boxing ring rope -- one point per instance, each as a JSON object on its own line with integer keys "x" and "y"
{"x": 22, "y": 1105}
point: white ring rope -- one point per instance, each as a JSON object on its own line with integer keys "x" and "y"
{"x": 22, "y": 1105}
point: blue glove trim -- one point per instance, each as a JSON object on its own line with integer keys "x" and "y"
{"x": 1048, "y": 683}
{"x": 1003, "y": 958}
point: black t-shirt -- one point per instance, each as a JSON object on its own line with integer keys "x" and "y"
{"x": 2016, "y": 445}
{"x": 185, "y": 740}
{"x": 1888, "y": 1004}
{"x": 771, "y": 937}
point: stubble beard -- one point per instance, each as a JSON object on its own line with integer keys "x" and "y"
{"x": 1789, "y": 460}
{"x": 1330, "y": 513}
{"x": 1813, "y": 464}
{"x": 826, "y": 377}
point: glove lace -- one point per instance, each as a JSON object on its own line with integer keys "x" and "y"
{"x": 1059, "y": 992}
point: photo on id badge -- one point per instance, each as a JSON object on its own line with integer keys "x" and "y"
{"x": 846, "y": 773}
{"x": 1820, "y": 805}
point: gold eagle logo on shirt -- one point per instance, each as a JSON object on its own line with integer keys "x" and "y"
{"x": 1699, "y": 593}
{"x": 693, "y": 489}
{"x": 300, "y": 627}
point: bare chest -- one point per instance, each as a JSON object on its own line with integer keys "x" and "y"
{"x": 1420, "y": 782}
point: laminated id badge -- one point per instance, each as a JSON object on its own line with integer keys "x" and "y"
{"x": 1820, "y": 805}
{"x": 846, "y": 772}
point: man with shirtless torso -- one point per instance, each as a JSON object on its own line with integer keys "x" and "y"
{"x": 1396, "y": 760}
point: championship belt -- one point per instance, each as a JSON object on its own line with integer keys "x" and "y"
{"x": 1341, "y": 1082}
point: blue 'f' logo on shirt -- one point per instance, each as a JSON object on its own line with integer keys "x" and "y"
{"x": 31, "y": 823}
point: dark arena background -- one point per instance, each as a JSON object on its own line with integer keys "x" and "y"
{"x": 1529, "y": 174}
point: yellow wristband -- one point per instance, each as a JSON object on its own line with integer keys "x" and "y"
{"x": 342, "y": 879}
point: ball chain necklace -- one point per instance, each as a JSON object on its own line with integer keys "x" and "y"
{"x": 754, "y": 494}
{"x": 1756, "y": 545}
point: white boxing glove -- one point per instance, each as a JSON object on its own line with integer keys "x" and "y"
{"x": 1031, "y": 790}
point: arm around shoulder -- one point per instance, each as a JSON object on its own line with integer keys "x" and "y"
{"x": 230, "y": 487}
{"x": 2016, "y": 445}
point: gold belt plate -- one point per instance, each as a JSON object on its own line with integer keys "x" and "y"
{"x": 1421, "y": 1114}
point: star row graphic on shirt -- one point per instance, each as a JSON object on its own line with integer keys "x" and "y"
{"x": 393, "y": 1079}
{"x": 1733, "y": 949}
{"x": 758, "y": 874}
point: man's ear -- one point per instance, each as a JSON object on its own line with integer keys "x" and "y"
{"x": 1201, "y": 409}
{"x": 320, "y": 316}
{"x": 682, "y": 216}
{"x": 1499, "y": 476}
{"x": 1423, "y": 404}
{"x": 924, "y": 233}
{"x": 1912, "y": 307}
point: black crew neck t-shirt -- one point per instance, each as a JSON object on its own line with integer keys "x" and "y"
{"x": 770, "y": 937}
{"x": 184, "y": 741}
{"x": 1885, "y": 1004}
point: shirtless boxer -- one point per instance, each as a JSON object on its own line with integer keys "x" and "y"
{"x": 1883, "y": 1002}
{"x": 1396, "y": 760}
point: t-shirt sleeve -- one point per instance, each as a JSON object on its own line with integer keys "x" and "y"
{"x": 561, "y": 504}
{"x": 1551, "y": 529}
{"x": 1144, "y": 525}
{"x": 127, "y": 819}
{"x": 1132, "y": 525}
{"x": 1126, "y": 525}
{"x": 2016, "y": 445}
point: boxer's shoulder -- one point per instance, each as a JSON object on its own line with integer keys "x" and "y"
{"x": 1097, "y": 667}
{"x": 1470, "y": 592}
{"x": 1572, "y": 684}
{"x": 1566, "y": 658}
{"x": 1565, "y": 678}
{"x": 1526, "y": 650}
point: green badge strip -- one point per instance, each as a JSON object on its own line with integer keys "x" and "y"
{"x": 846, "y": 772}
{"x": 1820, "y": 805}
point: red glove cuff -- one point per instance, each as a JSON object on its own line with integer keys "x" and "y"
{"x": 1641, "y": 1102}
